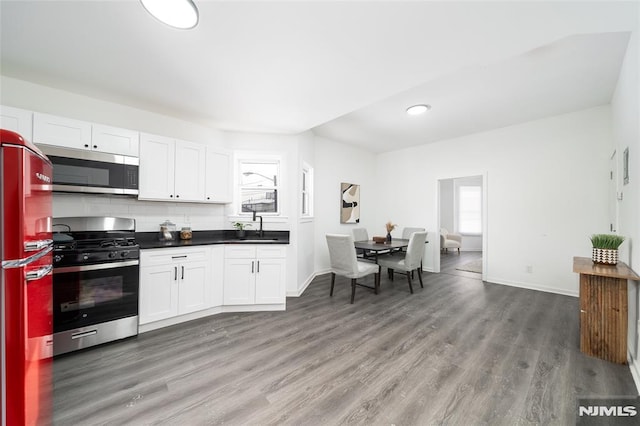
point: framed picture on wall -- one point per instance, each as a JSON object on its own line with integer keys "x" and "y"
{"x": 349, "y": 203}
{"x": 625, "y": 166}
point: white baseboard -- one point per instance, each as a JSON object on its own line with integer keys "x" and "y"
{"x": 299, "y": 291}
{"x": 530, "y": 286}
{"x": 143, "y": 328}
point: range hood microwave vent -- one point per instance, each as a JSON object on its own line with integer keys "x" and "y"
{"x": 91, "y": 172}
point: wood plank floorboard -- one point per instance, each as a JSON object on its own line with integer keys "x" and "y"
{"x": 459, "y": 351}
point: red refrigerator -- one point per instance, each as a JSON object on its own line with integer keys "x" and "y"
{"x": 26, "y": 323}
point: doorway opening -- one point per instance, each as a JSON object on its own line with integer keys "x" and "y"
{"x": 462, "y": 227}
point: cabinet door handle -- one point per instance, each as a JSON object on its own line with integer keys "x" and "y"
{"x": 182, "y": 278}
{"x": 179, "y": 257}
{"x": 252, "y": 263}
{"x": 258, "y": 266}
{"x": 175, "y": 273}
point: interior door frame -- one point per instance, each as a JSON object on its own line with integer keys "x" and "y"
{"x": 485, "y": 221}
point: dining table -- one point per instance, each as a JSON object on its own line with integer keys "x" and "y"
{"x": 371, "y": 246}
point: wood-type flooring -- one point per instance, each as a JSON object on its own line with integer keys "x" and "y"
{"x": 457, "y": 352}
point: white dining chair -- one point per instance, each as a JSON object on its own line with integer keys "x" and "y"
{"x": 407, "y": 261}
{"x": 361, "y": 234}
{"x": 406, "y": 232}
{"x": 344, "y": 262}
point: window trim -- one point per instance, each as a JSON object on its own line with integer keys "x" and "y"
{"x": 306, "y": 190}
{"x": 278, "y": 187}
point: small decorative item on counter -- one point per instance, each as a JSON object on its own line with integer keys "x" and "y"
{"x": 167, "y": 231}
{"x": 605, "y": 248}
{"x": 240, "y": 231}
{"x": 390, "y": 227}
{"x": 186, "y": 233}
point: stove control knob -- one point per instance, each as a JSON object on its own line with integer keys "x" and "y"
{"x": 57, "y": 257}
{"x": 112, "y": 254}
{"x": 85, "y": 257}
{"x": 124, "y": 254}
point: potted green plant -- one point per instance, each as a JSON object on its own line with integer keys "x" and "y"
{"x": 605, "y": 248}
{"x": 240, "y": 228}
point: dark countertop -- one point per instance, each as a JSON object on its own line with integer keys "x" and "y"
{"x": 149, "y": 240}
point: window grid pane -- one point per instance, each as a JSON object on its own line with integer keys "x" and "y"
{"x": 470, "y": 209}
{"x": 259, "y": 187}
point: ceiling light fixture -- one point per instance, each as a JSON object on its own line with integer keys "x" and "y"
{"x": 181, "y": 14}
{"x": 418, "y": 109}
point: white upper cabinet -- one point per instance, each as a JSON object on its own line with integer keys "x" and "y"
{"x": 218, "y": 176}
{"x": 157, "y": 168}
{"x": 115, "y": 140}
{"x": 189, "y": 171}
{"x": 60, "y": 131}
{"x": 175, "y": 170}
{"x": 69, "y": 133}
{"x": 17, "y": 120}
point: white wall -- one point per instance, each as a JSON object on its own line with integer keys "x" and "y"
{"x": 546, "y": 193}
{"x": 625, "y": 112}
{"x": 306, "y": 225}
{"x": 336, "y": 163}
{"x": 35, "y": 97}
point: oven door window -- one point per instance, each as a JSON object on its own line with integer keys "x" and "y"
{"x": 91, "y": 297}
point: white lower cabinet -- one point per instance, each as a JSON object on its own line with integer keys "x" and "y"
{"x": 254, "y": 274}
{"x": 175, "y": 282}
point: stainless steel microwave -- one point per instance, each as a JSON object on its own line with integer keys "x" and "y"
{"x": 76, "y": 170}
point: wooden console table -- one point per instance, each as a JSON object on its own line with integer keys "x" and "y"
{"x": 603, "y": 308}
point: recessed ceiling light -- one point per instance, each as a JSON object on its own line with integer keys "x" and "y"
{"x": 418, "y": 109}
{"x": 182, "y": 14}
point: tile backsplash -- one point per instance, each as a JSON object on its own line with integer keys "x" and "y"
{"x": 148, "y": 214}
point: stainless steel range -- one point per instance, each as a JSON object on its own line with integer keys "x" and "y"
{"x": 95, "y": 281}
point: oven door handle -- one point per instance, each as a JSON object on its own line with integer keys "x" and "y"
{"x": 82, "y": 268}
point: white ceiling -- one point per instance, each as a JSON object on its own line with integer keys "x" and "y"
{"x": 347, "y": 70}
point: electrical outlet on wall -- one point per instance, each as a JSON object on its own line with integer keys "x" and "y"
{"x": 529, "y": 269}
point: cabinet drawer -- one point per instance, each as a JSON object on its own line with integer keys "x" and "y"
{"x": 238, "y": 251}
{"x": 165, "y": 256}
{"x": 271, "y": 251}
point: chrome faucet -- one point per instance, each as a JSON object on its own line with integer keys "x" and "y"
{"x": 261, "y": 232}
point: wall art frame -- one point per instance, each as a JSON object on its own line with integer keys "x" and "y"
{"x": 349, "y": 203}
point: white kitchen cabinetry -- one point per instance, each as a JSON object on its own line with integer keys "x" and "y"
{"x": 171, "y": 170}
{"x": 69, "y": 133}
{"x": 114, "y": 140}
{"x": 17, "y": 120}
{"x": 174, "y": 282}
{"x": 218, "y": 176}
{"x": 190, "y": 171}
{"x": 61, "y": 131}
{"x": 254, "y": 274}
